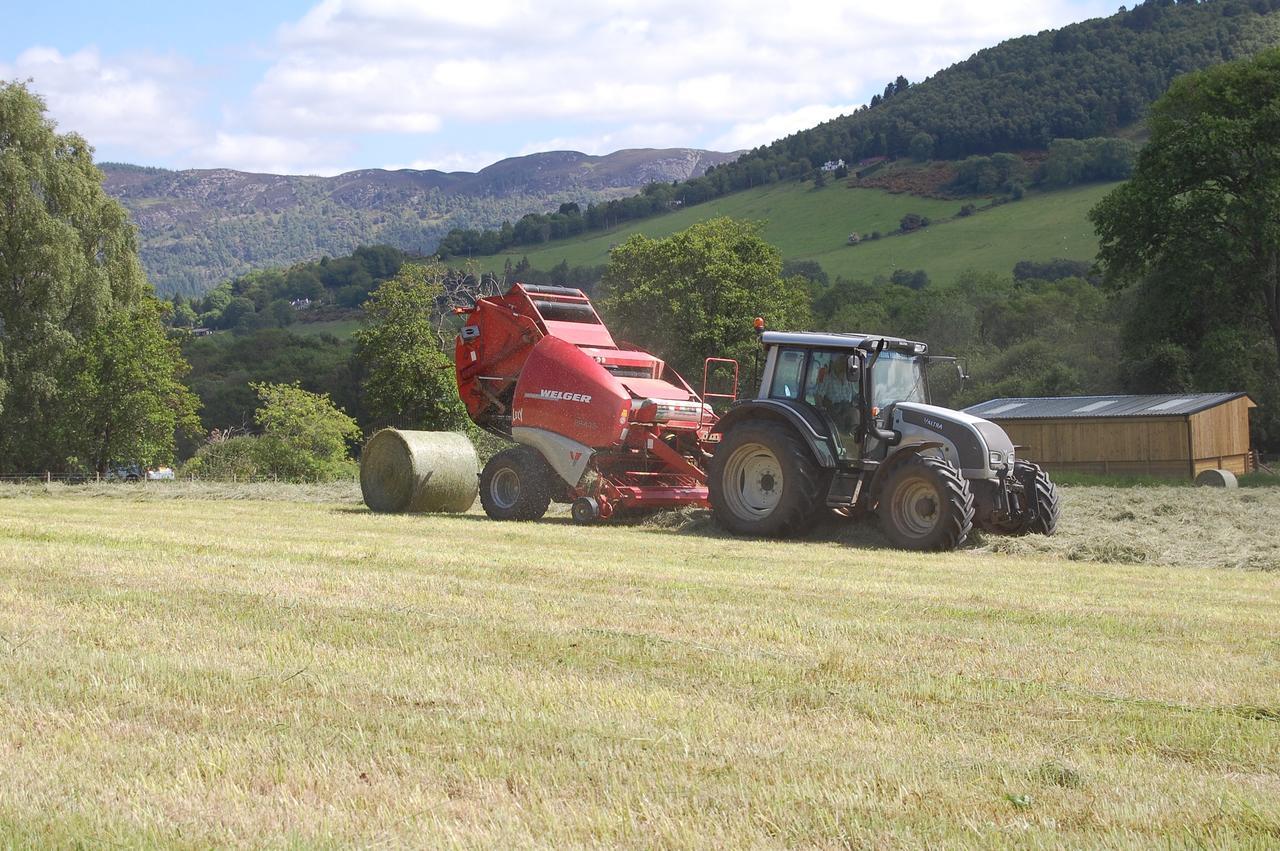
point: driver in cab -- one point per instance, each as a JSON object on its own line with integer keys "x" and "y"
{"x": 836, "y": 393}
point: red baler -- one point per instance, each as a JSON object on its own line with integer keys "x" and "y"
{"x": 600, "y": 424}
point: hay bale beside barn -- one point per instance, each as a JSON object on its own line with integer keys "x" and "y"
{"x": 1176, "y": 436}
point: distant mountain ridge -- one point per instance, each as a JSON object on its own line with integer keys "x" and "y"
{"x": 201, "y": 226}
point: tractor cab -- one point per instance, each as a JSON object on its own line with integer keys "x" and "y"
{"x": 846, "y": 381}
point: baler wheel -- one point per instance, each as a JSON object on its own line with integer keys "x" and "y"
{"x": 515, "y": 485}
{"x": 926, "y": 505}
{"x": 585, "y": 509}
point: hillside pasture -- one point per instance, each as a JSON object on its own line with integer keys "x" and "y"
{"x": 814, "y": 224}
{"x": 203, "y": 665}
{"x": 342, "y": 329}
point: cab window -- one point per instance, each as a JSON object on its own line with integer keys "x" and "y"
{"x": 832, "y": 387}
{"x": 787, "y": 372}
{"x": 830, "y": 380}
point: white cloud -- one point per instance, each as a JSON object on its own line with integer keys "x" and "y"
{"x": 738, "y": 71}
{"x": 136, "y": 102}
{"x": 474, "y": 82}
{"x": 271, "y": 154}
{"x": 460, "y": 161}
{"x": 750, "y": 134}
{"x": 659, "y": 135}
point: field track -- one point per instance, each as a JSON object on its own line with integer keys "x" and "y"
{"x": 197, "y": 671}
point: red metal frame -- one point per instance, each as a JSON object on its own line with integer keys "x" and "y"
{"x": 706, "y": 374}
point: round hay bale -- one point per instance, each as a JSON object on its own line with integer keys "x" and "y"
{"x": 1217, "y": 479}
{"x": 419, "y": 471}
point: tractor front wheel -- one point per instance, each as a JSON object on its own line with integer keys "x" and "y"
{"x": 925, "y": 504}
{"x": 515, "y": 485}
{"x": 1036, "y": 509}
{"x": 762, "y": 481}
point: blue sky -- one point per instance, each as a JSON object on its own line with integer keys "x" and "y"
{"x": 337, "y": 85}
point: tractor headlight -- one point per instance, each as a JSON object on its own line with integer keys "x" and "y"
{"x": 996, "y": 459}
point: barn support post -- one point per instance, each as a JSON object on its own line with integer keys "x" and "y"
{"x": 1191, "y": 450}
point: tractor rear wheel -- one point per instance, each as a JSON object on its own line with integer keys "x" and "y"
{"x": 925, "y": 504}
{"x": 515, "y": 485}
{"x": 762, "y": 481}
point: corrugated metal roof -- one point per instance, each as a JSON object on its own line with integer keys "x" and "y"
{"x": 1093, "y": 407}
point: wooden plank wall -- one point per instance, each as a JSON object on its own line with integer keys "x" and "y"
{"x": 1238, "y": 464}
{"x": 1073, "y": 441}
{"x": 1222, "y": 431}
{"x": 1152, "y": 446}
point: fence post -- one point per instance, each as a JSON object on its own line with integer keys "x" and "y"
{"x": 48, "y": 479}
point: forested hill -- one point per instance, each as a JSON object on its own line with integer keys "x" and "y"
{"x": 203, "y": 226}
{"x": 1087, "y": 80}
{"x": 1084, "y": 80}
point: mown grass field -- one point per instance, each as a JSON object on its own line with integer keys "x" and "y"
{"x": 182, "y": 667}
{"x": 814, "y": 224}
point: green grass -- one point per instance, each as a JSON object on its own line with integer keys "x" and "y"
{"x": 181, "y": 670}
{"x": 340, "y": 328}
{"x": 809, "y": 224}
{"x": 1099, "y": 480}
{"x": 1259, "y": 479}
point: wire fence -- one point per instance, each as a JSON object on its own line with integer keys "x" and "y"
{"x": 91, "y": 479}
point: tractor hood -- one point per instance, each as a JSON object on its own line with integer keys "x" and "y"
{"x": 979, "y": 447}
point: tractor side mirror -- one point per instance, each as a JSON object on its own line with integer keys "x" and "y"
{"x": 855, "y": 363}
{"x": 961, "y": 371}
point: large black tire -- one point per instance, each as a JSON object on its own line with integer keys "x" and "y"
{"x": 1043, "y": 505}
{"x": 925, "y": 504}
{"x": 516, "y": 485}
{"x": 763, "y": 481}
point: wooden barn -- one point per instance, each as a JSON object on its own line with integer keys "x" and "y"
{"x": 1175, "y": 436}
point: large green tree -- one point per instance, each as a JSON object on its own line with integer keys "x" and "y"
{"x": 408, "y": 380}
{"x": 1198, "y": 224}
{"x": 694, "y": 294}
{"x": 125, "y": 392}
{"x": 69, "y": 280}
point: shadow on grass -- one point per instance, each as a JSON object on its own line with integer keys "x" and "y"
{"x": 697, "y": 522}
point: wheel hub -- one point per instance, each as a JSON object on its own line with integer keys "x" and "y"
{"x": 753, "y": 481}
{"x": 505, "y": 488}
{"x": 916, "y": 508}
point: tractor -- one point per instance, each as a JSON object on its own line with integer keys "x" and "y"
{"x": 842, "y": 422}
